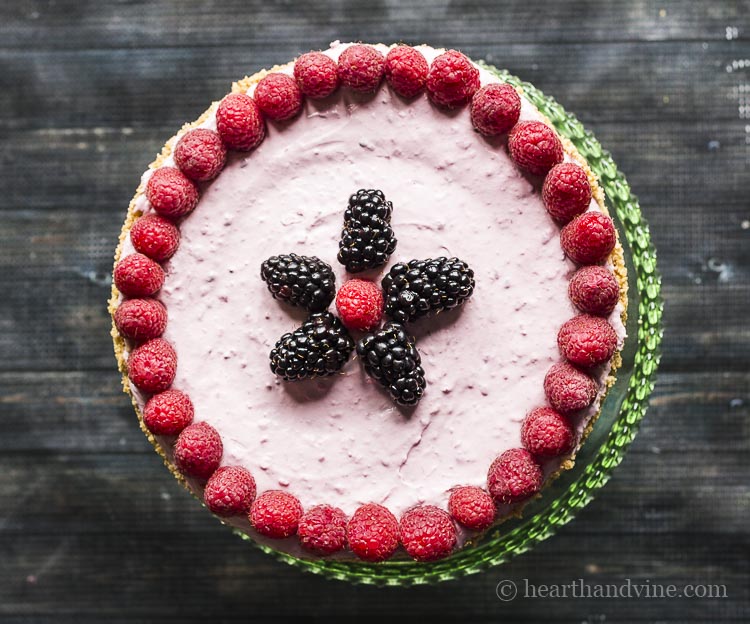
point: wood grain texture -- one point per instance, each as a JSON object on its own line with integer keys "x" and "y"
{"x": 623, "y": 82}
{"x": 70, "y": 24}
{"x": 70, "y": 251}
{"x": 93, "y": 529}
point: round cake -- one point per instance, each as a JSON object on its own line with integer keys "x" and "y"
{"x": 369, "y": 303}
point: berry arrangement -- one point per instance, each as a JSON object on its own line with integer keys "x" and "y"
{"x": 409, "y": 290}
{"x": 322, "y": 345}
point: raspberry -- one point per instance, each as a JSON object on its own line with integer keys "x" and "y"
{"x": 534, "y": 147}
{"x": 322, "y": 530}
{"x": 276, "y": 514}
{"x": 452, "y": 79}
{"x": 316, "y": 74}
{"x": 547, "y": 433}
{"x": 427, "y": 533}
{"x": 168, "y": 413}
{"x": 200, "y": 154}
{"x": 360, "y": 304}
{"x": 472, "y": 507}
{"x": 198, "y": 450}
{"x": 230, "y": 491}
{"x": 138, "y": 276}
{"x": 587, "y": 340}
{"x": 361, "y": 68}
{"x": 155, "y": 237}
{"x": 141, "y": 319}
{"x": 373, "y": 533}
{"x": 152, "y": 366}
{"x": 589, "y": 238}
{"x": 514, "y": 476}
{"x": 569, "y": 389}
{"x": 240, "y": 122}
{"x": 406, "y": 70}
{"x": 566, "y": 192}
{"x": 594, "y": 290}
{"x": 495, "y": 109}
{"x": 171, "y": 193}
{"x": 278, "y": 96}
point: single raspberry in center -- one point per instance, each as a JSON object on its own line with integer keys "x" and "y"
{"x": 360, "y": 304}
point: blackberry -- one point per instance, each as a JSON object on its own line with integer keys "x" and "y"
{"x": 368, "y": 203}
{"x": 367, "y": 240}
{"x": 390, "y": 357}
{"x": 319, "y": 348}
{"x": 302, "y": 281}
{"x": 426, "y": 286}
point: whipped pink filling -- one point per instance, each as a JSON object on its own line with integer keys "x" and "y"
{"x": 341, "y": 440}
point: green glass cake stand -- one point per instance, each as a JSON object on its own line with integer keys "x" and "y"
{"x": 621, "y": 412}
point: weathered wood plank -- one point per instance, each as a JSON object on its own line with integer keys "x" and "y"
{"x": 56, "y": 277}
{"x": 93, "y": 528}
{"x": 66, "y": 434}
{"x": 108, "y": 493}
{"x": 67, "y": 413}
{"x": 220, "y": 579}
{"x": 71, "y": 24}
{"x": 606, "y": 82}
{"x": 97, "y": 170}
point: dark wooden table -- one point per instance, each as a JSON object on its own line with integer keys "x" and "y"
{"x": 93, "y": 529}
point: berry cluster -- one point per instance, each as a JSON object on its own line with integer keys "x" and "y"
{"x": 391, "y": 358}
{"x": 306, "y": 282}
{"x": 588, "y": 340}
{"x": 422, "y": 287}
{"x": 322, "y": 345}
{"x": 319, "y": 348}
{"x": 367, "y": 240}
{"x": 411, "y": 290}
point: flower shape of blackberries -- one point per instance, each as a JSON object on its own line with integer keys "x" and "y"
{"x": 322, "y": 345}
